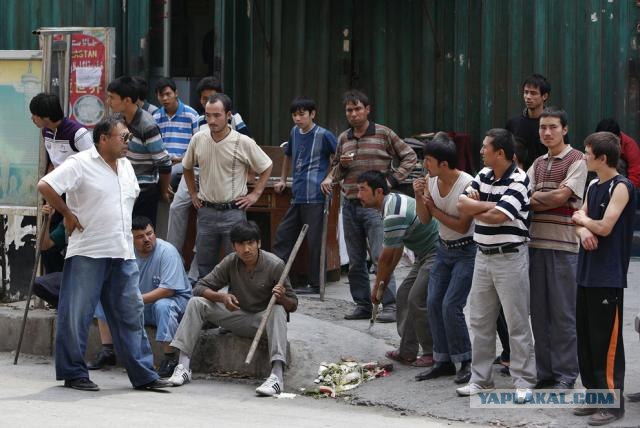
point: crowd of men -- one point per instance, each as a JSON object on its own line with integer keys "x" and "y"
{"x": 540, "y": 252}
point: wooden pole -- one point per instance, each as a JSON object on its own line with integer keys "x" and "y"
{"x": 323, "y": 246}
{"x": 272, "y": 301}
{"x": 45, "y": 225}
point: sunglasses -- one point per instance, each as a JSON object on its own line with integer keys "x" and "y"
{"x": 126, "y": 137}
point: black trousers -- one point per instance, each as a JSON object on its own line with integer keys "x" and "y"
{"x": 147, "y": 202}
{"x": 289, "y": 229}
{"x": 600, "y": 345}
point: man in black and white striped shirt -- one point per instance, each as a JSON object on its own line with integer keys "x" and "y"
{"x": 498, "y": 199}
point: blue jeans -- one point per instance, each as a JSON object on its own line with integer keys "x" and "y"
{"x": 359, "y": 225}
{"x": 113, "y": 282}
{"x": 449, "y": 286}
{"x": 163, "y": 314}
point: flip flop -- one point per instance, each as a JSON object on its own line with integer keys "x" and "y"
{"x": 395, "y": 356}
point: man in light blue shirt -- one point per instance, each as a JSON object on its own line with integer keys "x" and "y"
{"x": 177, "y": 122}
{"x": 165, "y": 291}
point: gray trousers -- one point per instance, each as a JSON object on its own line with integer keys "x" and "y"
{"x": 553, "y": 313}
{"x": 241, "y": 323}
{"x": 214, "y": 227}
{"x": 501, "y": 278}
{"x": 411, "y": 301}
{"x": 179, "y": 216}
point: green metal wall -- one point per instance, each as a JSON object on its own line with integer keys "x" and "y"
{"x": 432, "y": 64}
{"x": 18, "y": 18}
{"x": 426, "y": 64}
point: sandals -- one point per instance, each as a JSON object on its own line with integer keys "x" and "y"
{"x": 425, "y": 360}
{"x": 395, "y": 356}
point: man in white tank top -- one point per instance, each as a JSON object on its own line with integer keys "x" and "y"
{"x": 451, "y": 275}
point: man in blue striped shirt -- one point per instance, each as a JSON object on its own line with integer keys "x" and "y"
{"x": 309, "y": 150}
{"x": 498, "y": 199}
{"x": 177, "y": 122}
{"x": 146, "y": 153}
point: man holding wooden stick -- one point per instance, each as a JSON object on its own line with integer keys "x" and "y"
{"x": 252, "y": 276}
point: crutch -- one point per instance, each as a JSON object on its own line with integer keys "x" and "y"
{"x": 45, "y": 226}
{"x": 272, "y": 301}
{"x": 323, "y": 245}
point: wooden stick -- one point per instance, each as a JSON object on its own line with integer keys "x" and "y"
{"x": 323, "y": 246}
{"x": 272, "y": 301}
{"x": 45, "y": 225}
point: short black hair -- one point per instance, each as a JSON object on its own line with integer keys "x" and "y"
{"x": 143, "y": 88}
{"x": 210, "y": 83}
{"x": 375, "y": 180}
{"x": 140, "y": 222}
{"x": 608, "y": 125}
{"x": 502, "y": 140}
{"x": 354, "y": 96}
{"x": 443, "y": 149}
{"x": 556, "y": 112}
{"x": 244, "y": 231}
{"x": 163, "y": 82}
{"x": 302, "y": 104}
{"x": 124, "y": 87}
{"x": 538, "y": 81}
{"x": 105, "y": 126}
{"x": 46, "y": 105}
{"x": 604, "y": 143}
{"x": 520, "y": 150}
{"x": 223, "y": 98}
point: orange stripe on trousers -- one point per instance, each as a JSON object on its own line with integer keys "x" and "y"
{"x": 611, "y": 353}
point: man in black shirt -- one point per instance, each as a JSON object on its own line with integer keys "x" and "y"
{"x": 524, "y": 126}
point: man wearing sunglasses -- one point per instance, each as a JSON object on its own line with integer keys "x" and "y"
{"x": 100, "y": 264}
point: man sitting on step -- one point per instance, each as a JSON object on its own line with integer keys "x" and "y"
{"x": 252, "y": 276}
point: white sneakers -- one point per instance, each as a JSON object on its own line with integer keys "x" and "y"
{"x": 180, "y": 376}
{"x": 270, "y": 387}
{"x": 473, "y": 389}
{"x": 523, "y": 395}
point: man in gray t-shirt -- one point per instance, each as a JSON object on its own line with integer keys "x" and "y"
{"x": 252, "y": 276}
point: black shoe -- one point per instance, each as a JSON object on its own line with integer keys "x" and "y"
{"x": 388, "y": 314}
{"x": 155, "y": 385}
{"x": 81, "y": 384}
{"x": 561, "y": 385}
{"x": 307, "y": 289}
{"x": 166, "y": 367}
{"x": 544, "y": 384}
{"x": 634, "y": 398}
{"x": 359, "y": 313}
{"x": 446, "y": 368}
{"x": 104, "y": 358}
{"x": 505, "y": 371}
{"x": 464, "y": 374}
{"x": 604, "y": 417}
{"x": 584, "y": 411}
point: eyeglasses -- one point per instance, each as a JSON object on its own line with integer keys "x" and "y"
{"x": 126, "y": 137}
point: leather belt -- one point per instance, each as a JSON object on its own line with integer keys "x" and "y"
{"x": 457, "y": 243}
{"x": 503, "y": 249}
{"x": 220, "y": 206}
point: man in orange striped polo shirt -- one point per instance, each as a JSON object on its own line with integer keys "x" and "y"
{"x": 557, "y": 182}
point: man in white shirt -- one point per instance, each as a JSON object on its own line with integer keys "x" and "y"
{"x": 100, "y": 265}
